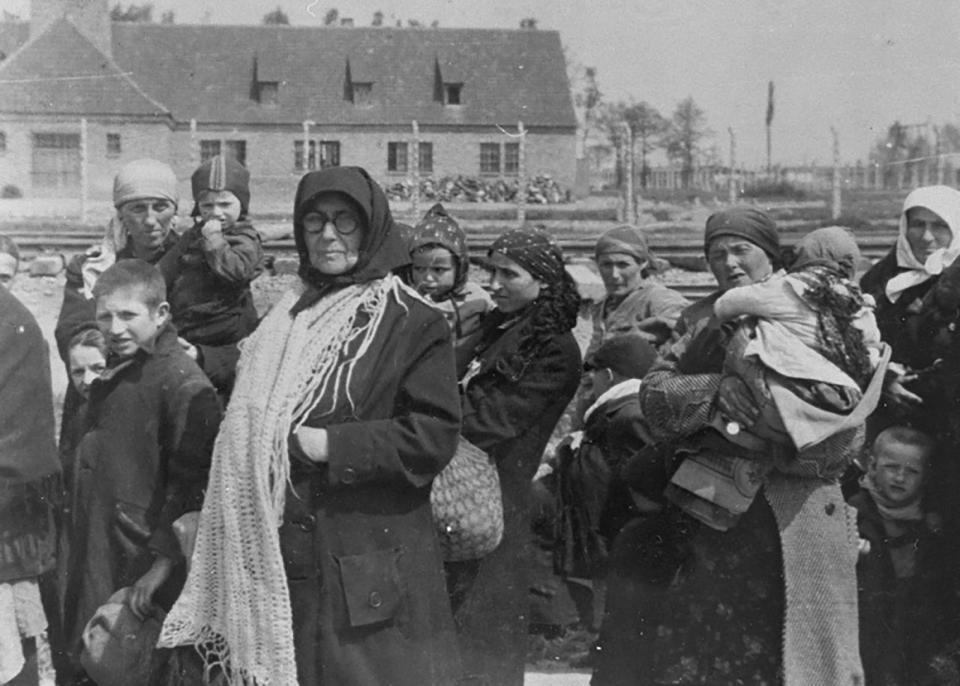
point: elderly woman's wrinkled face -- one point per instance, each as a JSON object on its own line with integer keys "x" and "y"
{"x": 333, "y": 231}
{"x": 926, "y": 232}
{"x": 735, "y": 261}
{"x": 148, "y": 222}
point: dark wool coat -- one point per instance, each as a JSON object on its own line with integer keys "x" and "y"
{"x": 208, "y": 283}
{"x": 363, "y": 564}
{"x": 510, "y": 414}
{"x": 141, "y": 464}
{"x": 903, "y": 622}
{"x": 29, "y": 469}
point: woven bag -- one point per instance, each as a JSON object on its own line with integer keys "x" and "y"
{"x": 467, "y": 505}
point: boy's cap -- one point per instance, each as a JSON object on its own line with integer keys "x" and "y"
{"x": 629, "y": 355}
{"x": 222, "y": 173}
{"x": 142, "y": 179}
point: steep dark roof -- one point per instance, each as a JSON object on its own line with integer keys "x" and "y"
{"x": 206, "y": 73}
{"x": 62, "y": 72}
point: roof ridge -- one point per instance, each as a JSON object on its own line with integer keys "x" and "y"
{"x": 300, "y": 27}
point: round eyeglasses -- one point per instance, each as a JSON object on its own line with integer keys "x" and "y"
{"x": 344, "y": 222}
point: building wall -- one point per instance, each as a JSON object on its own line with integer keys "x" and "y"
{"x": 270, "y": 153}
{"x": 136, "y": 140}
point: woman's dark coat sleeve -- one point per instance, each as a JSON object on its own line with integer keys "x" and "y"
{"x": 419, "y": 436}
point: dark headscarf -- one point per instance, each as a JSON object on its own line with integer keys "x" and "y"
{"x": 626, "y": 240}
{"x": 437, "y": 228}
{"x": 832, "y": 246}
{"x": 381, "y": 249}
{"x": 535, "y": 251}
{"x": 748, "y": 223}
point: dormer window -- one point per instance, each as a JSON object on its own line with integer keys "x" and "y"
{"x": 362, "y": 93}
{"x": 269, "y": 92}
{"x": 452, "y": 93}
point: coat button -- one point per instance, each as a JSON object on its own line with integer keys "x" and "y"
{"x": 375, "y": 599}
{"x": 349, "y": 475}
{"x": 308, "y": 523}
{"x": 829, "y": 508}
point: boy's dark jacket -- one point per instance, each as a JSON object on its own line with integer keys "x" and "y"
{"x": 208, "y": 283}
{"x": 903, "y": 622}
{"x": 142, "y": 463}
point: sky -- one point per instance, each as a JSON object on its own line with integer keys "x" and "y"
{"x": 856, "y": 65}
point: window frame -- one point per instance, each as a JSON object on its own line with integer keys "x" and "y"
{"x": 268, "y": 93}
{"x": 395, "y": 163}
{"x": 452, "y": 93}
{"x": 209, "y": 148}
{"x": 114, "y": 145}
{"x": 511, "y": 159}
{"x": 425, "y": 152}
{"x": 490, "y": 159}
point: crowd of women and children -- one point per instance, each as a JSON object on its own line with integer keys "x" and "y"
{"x": 755, "y": 488}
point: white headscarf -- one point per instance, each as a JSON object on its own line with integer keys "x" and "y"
{"x": 944, "y": 201}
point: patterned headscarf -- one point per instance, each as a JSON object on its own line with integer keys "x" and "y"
{"x": 831, "y": 246}
{"x": 437, "y": 228}
{"x": 534, "y": 250}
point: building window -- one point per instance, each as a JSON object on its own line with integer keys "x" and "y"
{"x": 268, "y": 92}
{"x": 511, "y": 158}
{"x": 425, "y": 157}
{"x": 396, "y": 157}
{"x": 113, "y": 145}
{"x": 329, "y": 155}
{"x": 452, "y": 93}
{"x": 208, "y": 149}
{"x": 238, "y": 150}
{"x": 489, "y": 158}
{"x": 3, "y": 142}
{"x": 56, "y": 160}
{"x": 362, "y": 93}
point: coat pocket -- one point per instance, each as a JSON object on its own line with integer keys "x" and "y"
{"x": 371, "y": 586}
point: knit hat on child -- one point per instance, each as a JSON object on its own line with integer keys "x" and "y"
{"x": 222, "y": 173}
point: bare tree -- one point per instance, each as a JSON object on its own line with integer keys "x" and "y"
{"x": 688, "y": 127}
{"x": 377, "y": 18}
{"x": 528, "y": 23}
{"x": 167, "y": 17}
{"x": 277, "y": 17}
{"x": 648, "y": 127}
{"x": 330, "y": 18}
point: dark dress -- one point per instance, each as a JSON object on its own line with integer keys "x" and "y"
{"x": 358, "y": 542}
{"x": 141, "y": 464}
{"x": 509, "y": 412}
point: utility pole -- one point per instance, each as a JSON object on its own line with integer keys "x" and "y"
{"x": 630, "y": 211}
{"x": 732, "y": 183}
{"x": 836, "y": 173}
{"x": 415, "y": 172}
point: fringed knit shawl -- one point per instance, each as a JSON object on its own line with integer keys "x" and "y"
{"x": 235, "y": 607}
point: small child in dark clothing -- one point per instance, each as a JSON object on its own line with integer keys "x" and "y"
{"x": 209, "y": 270}
{"x": 439, "y": 267}
{"x": 903, "y": 572}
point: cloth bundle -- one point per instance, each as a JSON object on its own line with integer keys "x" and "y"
{"x": 467, "y": 505}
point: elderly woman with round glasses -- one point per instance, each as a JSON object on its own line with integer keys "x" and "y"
{"x": 316, "y": 560}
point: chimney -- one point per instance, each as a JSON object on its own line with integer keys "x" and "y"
{"x": 346, "y": 21}
{"x": 91, "y": 17}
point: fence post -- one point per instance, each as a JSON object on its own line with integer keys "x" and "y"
{"x": 732, "y": 184}
{"x": 415, "y": 172}
{"x": 84, "y": 178}
{"x": 307, "y": 123}
{"x": 194, "y": 145}
{"x": 629, "y": 211}
{"x": 837, "y": 209}
{"x": 521, "y": 175}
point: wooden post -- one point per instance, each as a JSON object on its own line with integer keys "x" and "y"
{"x": 306, "y": 144}
{"x": 194, "y": 145}
{"x": 84, "y": 177}
{"x": 732, "y": 183}
{"x": 629, "y": 211}
{"x": 837, "y": 209}
{"x": 415, "y": 172}
{"x": 940, "y": 160}
{"x": 521, "y": 175}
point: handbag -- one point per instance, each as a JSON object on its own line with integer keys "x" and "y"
{"x": 467, "y": 505}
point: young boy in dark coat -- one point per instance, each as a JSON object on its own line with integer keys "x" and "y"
{"x": 209, "y": 270}
{"x": 143, "y": 459}
{"x": 903, "y": 572}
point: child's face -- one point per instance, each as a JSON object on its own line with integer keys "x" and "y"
{"x": 434, "y": 271}
{"x": 86, "y": 364}
{"x": 897, "y": 471}
{"x": 223, "y": 206}
{"x": 8, "y": 269}
{"x": 127, "y": 322}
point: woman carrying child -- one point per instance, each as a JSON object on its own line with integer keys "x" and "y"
{"x": 525, "y": 369}
{"x": 316, "y": 560}
{"x": 770, "y": 599}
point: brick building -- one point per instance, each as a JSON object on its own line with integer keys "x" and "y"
{"x": 80, "y": 95}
